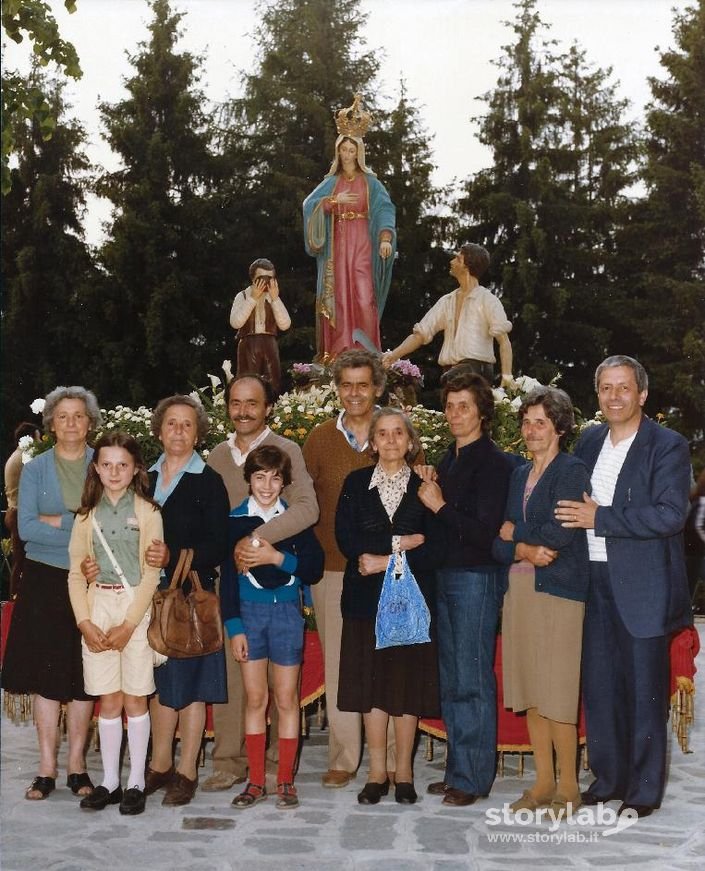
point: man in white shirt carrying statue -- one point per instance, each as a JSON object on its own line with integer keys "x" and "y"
{"x": 472, "y": 318}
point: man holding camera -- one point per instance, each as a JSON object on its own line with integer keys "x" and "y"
{"x": 258, "y": 314}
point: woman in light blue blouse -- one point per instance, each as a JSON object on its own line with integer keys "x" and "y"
{"x": 43, "y": 655}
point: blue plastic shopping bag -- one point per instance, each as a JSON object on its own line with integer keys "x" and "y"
{"x": 402, "y": 614}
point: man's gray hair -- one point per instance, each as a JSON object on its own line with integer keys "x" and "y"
{"x": 642, "y": 379}
{"x": 356, "y": 358}
{"x": 52, "y": 399}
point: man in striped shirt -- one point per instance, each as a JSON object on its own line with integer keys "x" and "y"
{"x": 638, "y": 589}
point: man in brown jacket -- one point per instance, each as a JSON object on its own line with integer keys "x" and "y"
{"x": 333, "y": 450}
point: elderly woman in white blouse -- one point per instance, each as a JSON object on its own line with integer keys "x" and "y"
{"x": 379, "y": 514}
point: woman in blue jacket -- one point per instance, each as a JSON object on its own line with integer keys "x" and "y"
{"x": 43, "y": 655}
{"x": 542, "y": 620}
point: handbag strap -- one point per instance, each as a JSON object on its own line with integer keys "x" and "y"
{"x": 195, "y": 580}
{"x": 183, "y": 567}
{"x": 111, "y": 556}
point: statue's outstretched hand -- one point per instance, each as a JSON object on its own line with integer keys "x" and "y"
{"x": 347, "y": 198}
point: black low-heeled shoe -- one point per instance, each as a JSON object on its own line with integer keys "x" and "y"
{"x": 371, "y": 793}
{"x": 133, "y": 802}
{"x": 100, "y": 798}
{"x": 404, "y": 793}
{"x": 77, "y": 782}
{"x": 43, "y": 785}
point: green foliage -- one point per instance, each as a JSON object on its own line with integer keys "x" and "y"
{"x": 663, "y": 247}
{"x": 549, "y": 206}
{"x": 161, "y": 304}
{"x": 45, "y": 263}
{"x": 199, "y": 194}
{"x": 22, "y": 102}
{"x": 400, "y": 147}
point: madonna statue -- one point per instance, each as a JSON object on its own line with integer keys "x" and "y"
{"x": 349, "y": 227}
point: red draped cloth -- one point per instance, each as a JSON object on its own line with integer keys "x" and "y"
{"x": 512, "y": 732}
{"x": 685, "y": 646}
{"x": 6, "y": 609}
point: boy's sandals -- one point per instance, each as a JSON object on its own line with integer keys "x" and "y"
{"x": 251, "y": 795}
{"x": 286, "y": 796}
{"x": 42, "y": 785}
{"x": 79, "y": 784}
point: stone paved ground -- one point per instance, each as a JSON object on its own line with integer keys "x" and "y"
{"x": 331, "y": 832}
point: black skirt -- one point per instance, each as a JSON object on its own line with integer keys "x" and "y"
{"x": 398, "y": 680}
{"x": 43, "y": 653}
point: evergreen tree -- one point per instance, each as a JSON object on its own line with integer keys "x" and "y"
{"x": 23, "y": 101}
{"x": 664, "y": 245}
{"x": 549, "y": 206}
{"x": 310, "y": 64}
{"x": 163, "y": 301}
{"x": 45, "y": 262}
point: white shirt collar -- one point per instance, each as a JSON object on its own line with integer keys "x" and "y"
{"x": 239, "y": 456}
{"x": 254, "y": 509}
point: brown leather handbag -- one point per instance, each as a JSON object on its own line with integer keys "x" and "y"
{"x": 183, "y": 626}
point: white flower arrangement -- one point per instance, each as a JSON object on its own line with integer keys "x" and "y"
{"x": 296, "y": 413}
{"x": 26, "y": 444}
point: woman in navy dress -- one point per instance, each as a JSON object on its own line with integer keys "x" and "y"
{"x": 195, "y": 510}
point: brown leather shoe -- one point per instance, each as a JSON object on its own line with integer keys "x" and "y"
{"x": 438, "y": 787}
{"x": 458, "y": 797}
{"x": 336, "y": 779}
{"x": 154, "y": 780}
{"x": 179, "y": 790}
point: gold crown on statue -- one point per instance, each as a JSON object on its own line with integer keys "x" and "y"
{"x": 353, "y": 121}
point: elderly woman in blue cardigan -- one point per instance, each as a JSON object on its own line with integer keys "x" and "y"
{"x": 542, "y": 619}
{"x": 43, "y": 655}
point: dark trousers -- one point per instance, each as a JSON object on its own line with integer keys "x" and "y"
{"x": 625, "y": 694}
{"x": 258, "y": 354}
{"x": 479, "y": 367}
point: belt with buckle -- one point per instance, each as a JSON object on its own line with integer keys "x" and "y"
{"x": 350, "y": 216}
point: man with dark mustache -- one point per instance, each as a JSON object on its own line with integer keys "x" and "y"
{"x": 249, "y": 401}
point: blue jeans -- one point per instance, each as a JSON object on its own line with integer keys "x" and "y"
{"x": 468, "y": 613}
